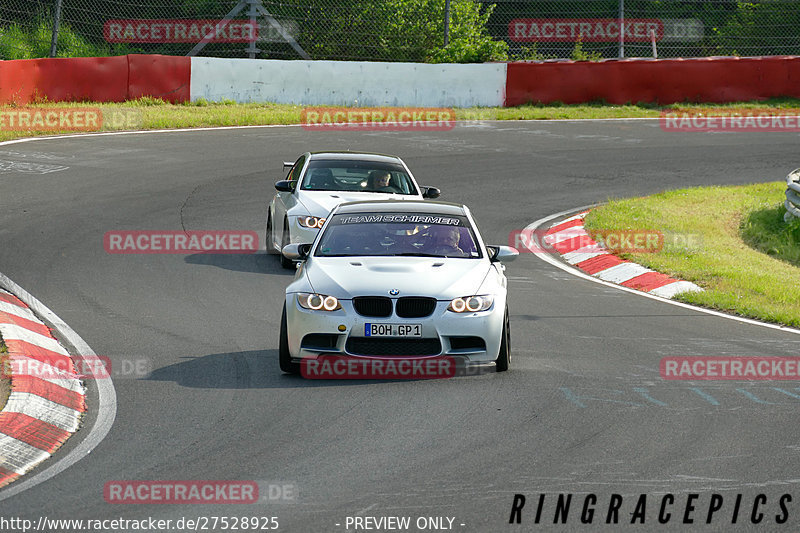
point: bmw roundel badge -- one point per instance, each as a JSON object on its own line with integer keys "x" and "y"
{"x": 394, "y": 292}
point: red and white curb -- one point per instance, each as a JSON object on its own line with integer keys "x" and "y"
{"x": 47, "y": 397}
{"x": 570, "y": 239}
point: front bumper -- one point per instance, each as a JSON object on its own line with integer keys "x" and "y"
{"x": 473, "y": 338}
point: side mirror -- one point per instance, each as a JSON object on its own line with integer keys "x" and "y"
{"x": 284, "y": 186}
{"x": 430, "y": 192}
{"x": 287, "y": 165}
{"x": 296, "y": 252}
{"x": 502, "y": 254}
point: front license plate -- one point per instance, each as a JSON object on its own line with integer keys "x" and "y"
{"x": 393, "y": 330}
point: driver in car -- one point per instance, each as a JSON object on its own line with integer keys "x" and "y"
{"x": 379, "y": 181}
{"x": 446, "y": 241}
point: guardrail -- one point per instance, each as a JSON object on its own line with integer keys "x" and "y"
{"x": 792, "y": 202}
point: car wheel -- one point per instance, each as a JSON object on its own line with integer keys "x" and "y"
{"x": 268, "y": 240}
{"x": 504, "y": 357}
{"x": 286, "y": 263}
{"x": 284, "y": 357}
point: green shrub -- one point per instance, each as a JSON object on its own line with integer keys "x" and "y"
{"x": 398, "y": 30}
{"x": 579, "y": 54}
{"x": 18, "y": 42}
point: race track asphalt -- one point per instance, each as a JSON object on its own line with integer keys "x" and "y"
{"x": 583, "y": 409}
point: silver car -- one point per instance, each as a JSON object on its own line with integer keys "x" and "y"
{"x": 408, "y": 279}
{"x": 318, "y": 181}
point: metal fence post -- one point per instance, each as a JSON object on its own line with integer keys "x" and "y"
{"x": 446, "y": 22}
{"x": 56, "y": 22}
{"x": 621, "y": 29}
{"x": 252, "y": 49}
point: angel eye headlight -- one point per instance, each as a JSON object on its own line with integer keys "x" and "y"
{"x": 318, "y": 302}
{"x": 471, "y": 304}
{"x": 311, "y": 222}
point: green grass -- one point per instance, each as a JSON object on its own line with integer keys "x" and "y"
{"x": 150, "y": 113}
{"x": 766, "y": 231}
{"x": 729, "y": 240}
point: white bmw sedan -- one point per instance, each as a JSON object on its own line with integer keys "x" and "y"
{"x": 318, "y": 181}
{"x": 390, "y": 279}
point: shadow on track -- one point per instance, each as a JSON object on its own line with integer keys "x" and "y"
{"x": 259, "y": 263}
{"x": 253, "y": 369}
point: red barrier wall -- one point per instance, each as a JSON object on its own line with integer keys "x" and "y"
{"x": 95, "y": 79}
{"x": 661, "y": 81}
{"x": 165, "y": 77}
{"x": 116, "y": 79}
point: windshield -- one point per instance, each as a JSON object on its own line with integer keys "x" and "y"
{"x": 354, "y": 175}
{"x": 398, "y": 234}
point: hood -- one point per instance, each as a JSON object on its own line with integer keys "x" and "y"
{"x": 441, "y": 278}
{"x": 320, "y": 203}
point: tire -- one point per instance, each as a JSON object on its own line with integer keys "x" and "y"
{"x": 504, "y": 357}
{"x": 284, "y": 357}
{"x": 286, "y": 263}
{"x": 268, "y": 241}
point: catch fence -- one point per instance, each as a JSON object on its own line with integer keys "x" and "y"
{"x": 400, "y": 30}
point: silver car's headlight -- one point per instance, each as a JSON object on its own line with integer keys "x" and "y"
{"x": 311, "y": 222}
{"x": 471, "y": 304}
{"x": 318, "y": 302}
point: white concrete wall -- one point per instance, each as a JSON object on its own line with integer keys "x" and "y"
{"x": 348, "y": 83}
